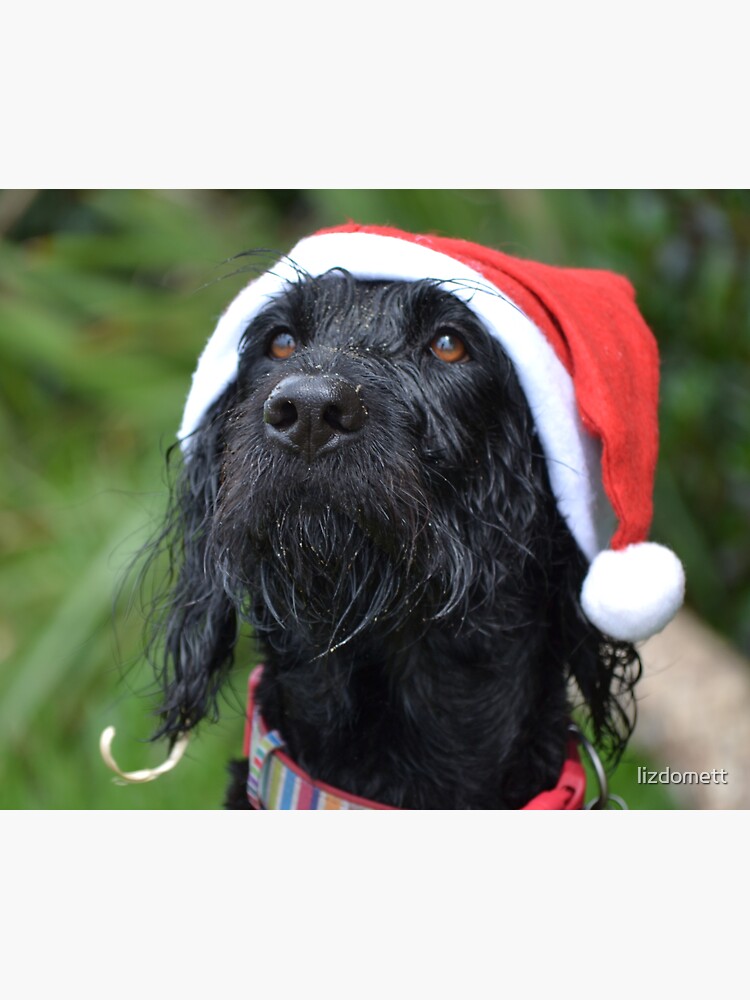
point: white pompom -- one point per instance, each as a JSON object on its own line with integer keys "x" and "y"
{"x": 632, "y": 593}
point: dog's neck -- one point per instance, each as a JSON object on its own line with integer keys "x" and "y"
{"x": 420, "y": 729}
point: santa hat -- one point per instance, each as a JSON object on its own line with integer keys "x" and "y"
{"x": 589, "y": 368}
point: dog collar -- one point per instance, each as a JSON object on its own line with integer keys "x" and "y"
{"x": 274, "y": 781}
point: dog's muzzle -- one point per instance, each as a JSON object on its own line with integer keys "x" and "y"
{"x": 311, "y": 415}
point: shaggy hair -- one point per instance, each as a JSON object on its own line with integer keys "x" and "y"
{"x": 412, "y": 585}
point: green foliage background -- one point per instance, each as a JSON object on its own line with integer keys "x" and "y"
{"x": 106, "y": 299}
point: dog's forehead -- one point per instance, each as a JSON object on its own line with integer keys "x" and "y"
{"x": 338, "y": 307}
{"x": 357, "y": 308}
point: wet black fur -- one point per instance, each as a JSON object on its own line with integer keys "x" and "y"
{"x": 414, "y": 592}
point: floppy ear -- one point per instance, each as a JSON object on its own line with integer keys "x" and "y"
{"x": 193, "y": 621}
{"x": 604, "y": 670}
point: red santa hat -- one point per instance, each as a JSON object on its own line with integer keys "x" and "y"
{"x": 589, "y": 368}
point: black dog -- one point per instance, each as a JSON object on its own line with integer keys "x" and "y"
{"x": 370, "y": 495}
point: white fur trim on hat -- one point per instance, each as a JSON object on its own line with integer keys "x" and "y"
{"x": 632, "y": 593}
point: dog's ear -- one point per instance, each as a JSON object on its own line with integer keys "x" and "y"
{"x": 193, "y": 623}
{"x": 603, "y": 670}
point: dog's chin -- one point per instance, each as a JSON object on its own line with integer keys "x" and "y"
{"x": 324, "y": 573}
{"x": 322, "y": 553}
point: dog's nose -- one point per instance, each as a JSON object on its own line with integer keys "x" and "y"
{"x": 311, "y": 414}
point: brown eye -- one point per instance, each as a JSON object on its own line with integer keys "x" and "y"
{"x": 449, "y": 347}
{"x": 282, "y": 346}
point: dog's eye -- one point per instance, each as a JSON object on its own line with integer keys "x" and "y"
{"x": 448, "y": 346}
{"x": 282, "y": 346}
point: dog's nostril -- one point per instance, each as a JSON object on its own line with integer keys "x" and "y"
{"x": 280, "y": 413}
{"x": 345, "y": 421}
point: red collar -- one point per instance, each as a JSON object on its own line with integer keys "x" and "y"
{"x": 276, "y": 782}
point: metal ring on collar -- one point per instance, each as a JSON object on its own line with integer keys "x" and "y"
{"x": 602, "y": 800}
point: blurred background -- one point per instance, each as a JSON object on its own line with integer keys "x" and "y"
{"x": 107, "y": 298}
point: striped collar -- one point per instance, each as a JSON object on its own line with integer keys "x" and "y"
{"x": 275, "y": 782}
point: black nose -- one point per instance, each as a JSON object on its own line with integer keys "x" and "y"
{"x": 312, "y": 414}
